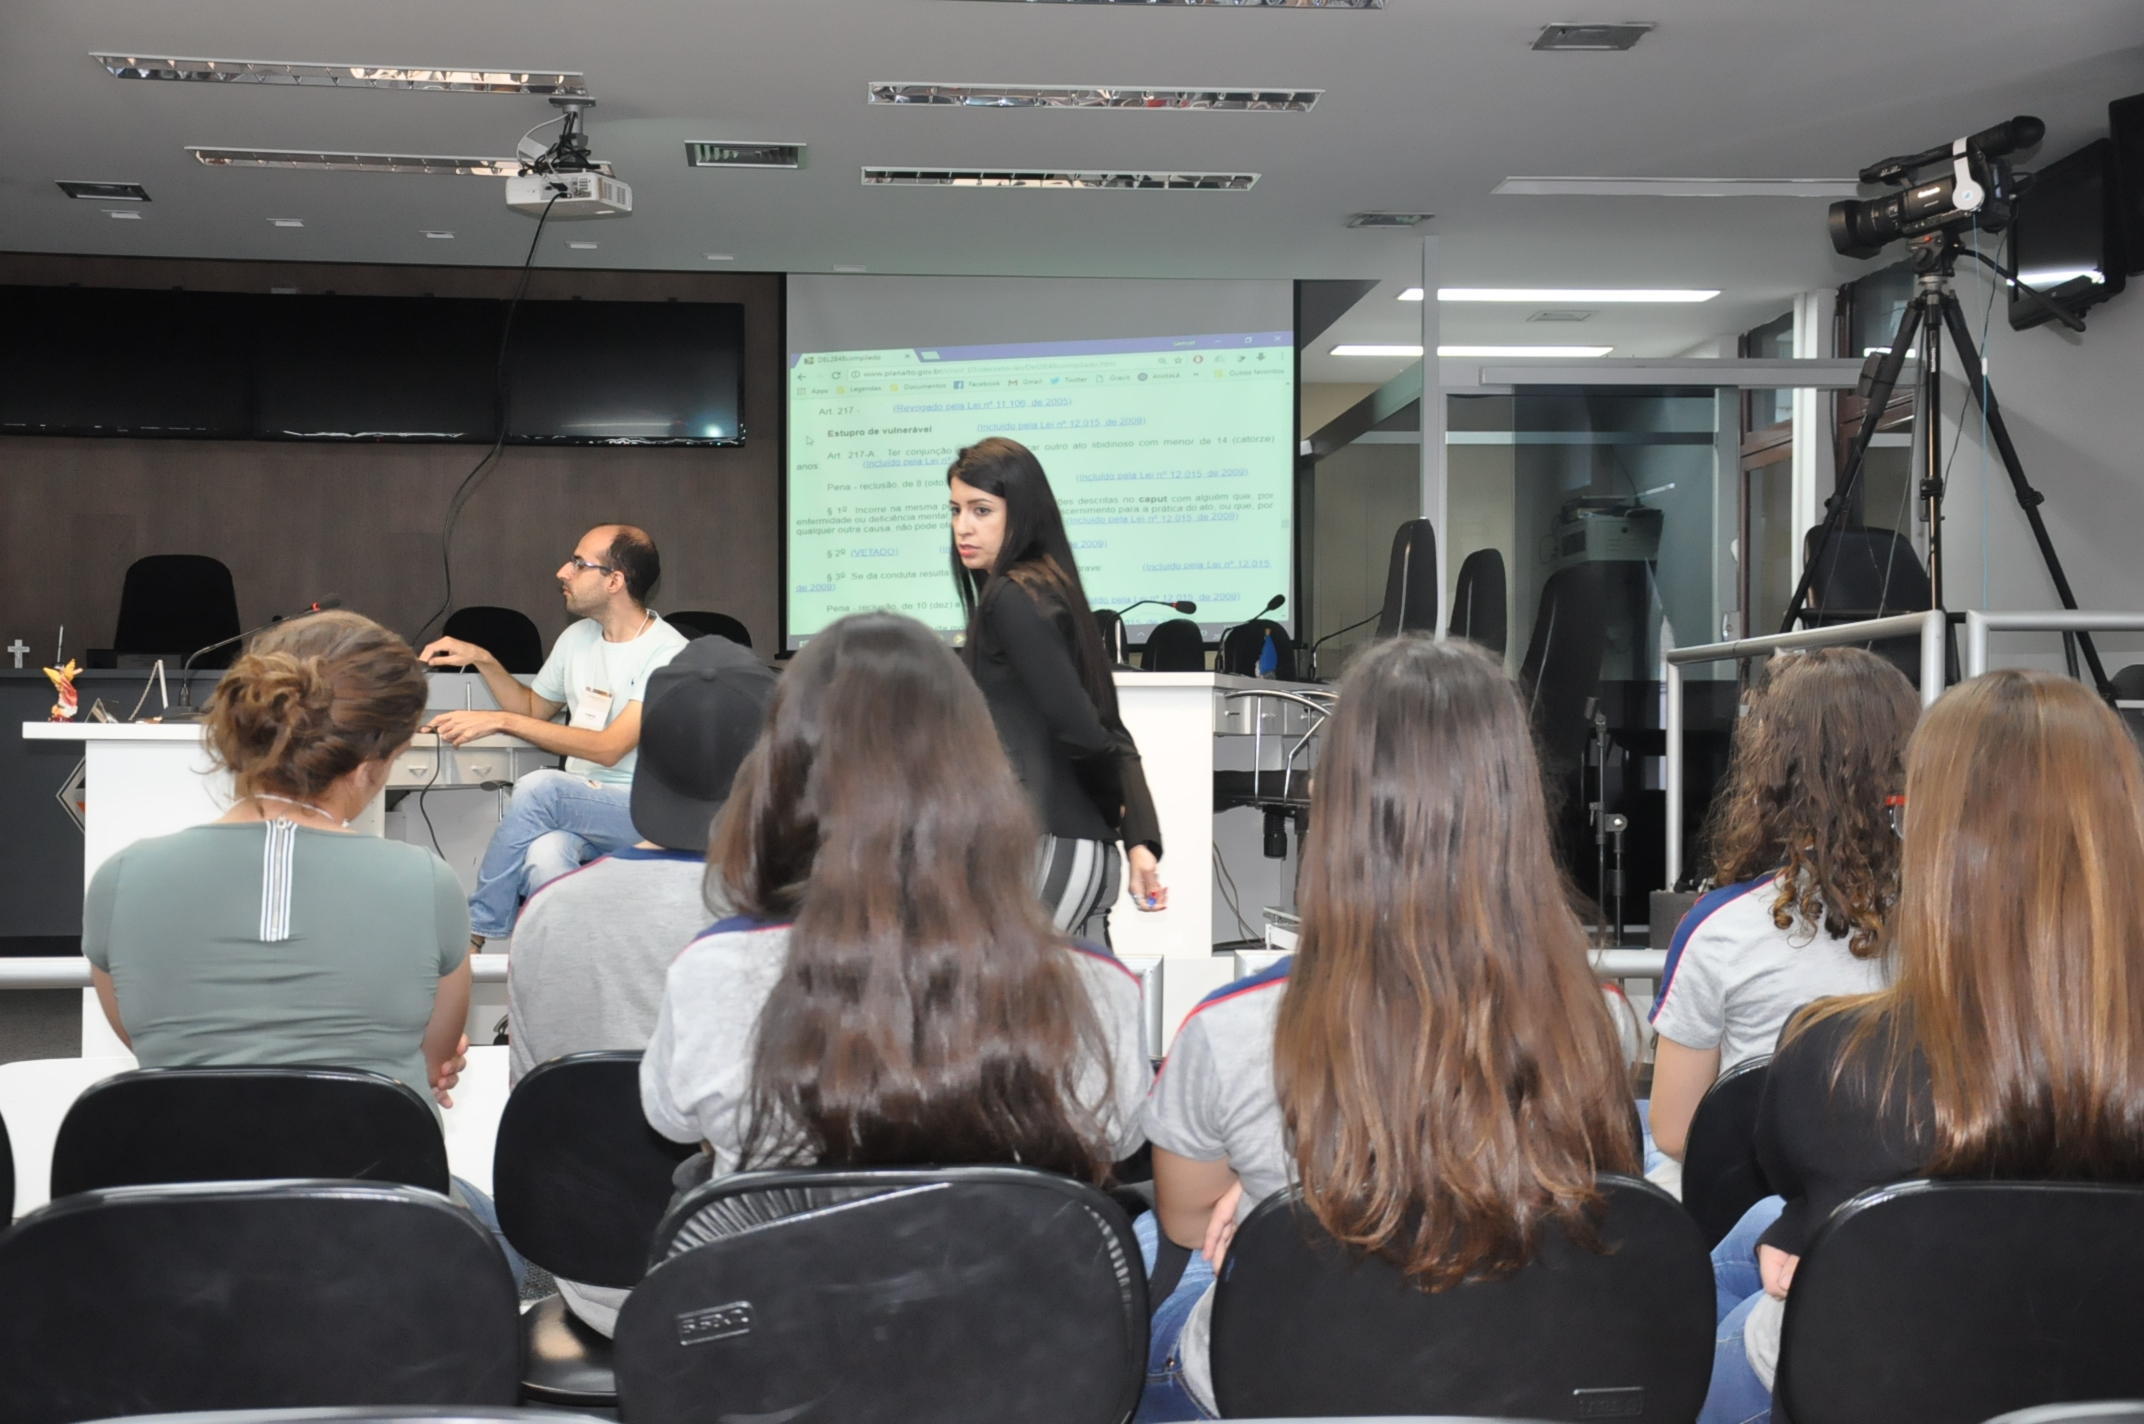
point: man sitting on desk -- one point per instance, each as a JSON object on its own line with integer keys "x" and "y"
{"x": 596, "y": 673}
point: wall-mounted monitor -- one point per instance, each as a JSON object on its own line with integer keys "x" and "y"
{"x": 2066, "y": 241}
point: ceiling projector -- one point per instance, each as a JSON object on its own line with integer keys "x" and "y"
{"x": 563, "y": 181}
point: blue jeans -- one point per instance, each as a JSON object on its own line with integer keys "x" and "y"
{"x": 553, "y": 823}
{"x": 1737, "y": 1396}
{"x": 1165, "y": 1398}
{"x": 465, "y": 1194}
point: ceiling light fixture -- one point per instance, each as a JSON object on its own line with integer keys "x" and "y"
{"x": 563, "y": 82}
{"x": 721, "y": 257}
{"x": 1680, "y": 187}
{"x": 436, "y": 235}
{"x": 1049, "y": 178}
{"x": 709, "y": 153}
{"x": 286, "y": 222}
{"x": 105, "y": 192}
{"x": 1596, "y": 295}
{"x": 847, "y": 269}
{"x": 1357, "y": 348}
{"x": 132, "y": 217}
{"x": 1388, "y": 219}
{"x": 1593, "y": 37}
{"x": 1245, "y": 4}
{"x": 1065, "y": 96}
{"x": 355, "y": 162}
{"x": 582, "y": 246}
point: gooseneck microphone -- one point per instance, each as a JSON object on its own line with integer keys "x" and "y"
{"x": 1181, "y": 605}
{"x": 186, "y": 711}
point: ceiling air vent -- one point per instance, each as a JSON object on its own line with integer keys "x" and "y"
{"x": 1063, "y": 96}
{"x": 106, "y": 192}
{"x": 1049, "y": 178}
{"x": 699, "y": 154}
{"x": 1592, "y": 37}
{"x": 1388, "y": 219}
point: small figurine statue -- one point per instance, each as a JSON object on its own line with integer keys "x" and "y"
{"x": 70, "y": 701}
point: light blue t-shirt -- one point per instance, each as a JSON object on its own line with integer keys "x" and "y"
{"x": 583, "y": 668}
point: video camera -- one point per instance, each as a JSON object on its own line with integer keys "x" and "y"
{"x": 1978, "y": 191}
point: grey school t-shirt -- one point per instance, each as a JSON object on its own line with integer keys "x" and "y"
{"x": 178, "y": 923}
{"x": 594, "y": 680}
{"x": 695, "y": 1081}
{"x": 590, "y": 950}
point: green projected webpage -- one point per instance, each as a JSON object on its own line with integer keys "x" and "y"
{"x": 1170, "y": 457}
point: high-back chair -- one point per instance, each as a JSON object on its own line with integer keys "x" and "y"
{"x": 581, "y": 1182}
{"x": 2104, "y": 1411}
{"x": 364, "y": 1414}
{"x": 1411, "y": 589}
{"x": 1478, "y": 602}
{"x": 1243, "y": 647}
{"x": 7, "y": 1175}
{"x": 173, "y": 604}
{"x": 1721, "y": 1178}
{"x": 1305, "y": 1326}
{"x": 231, "y": 1295}
{"x": 694, "y": 624}
{"x": 247, "y": 1124}
{"x": 507, "y": 634}
{"x": 1948, "y": 1302}
{"x": 961, "y": 1295}
{"x": 1175, "y": 645}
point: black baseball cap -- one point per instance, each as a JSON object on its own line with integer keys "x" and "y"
{"x": 701, "y": 715}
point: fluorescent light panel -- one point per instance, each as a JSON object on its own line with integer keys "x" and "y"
{"x": 1065, "y": 96}
{"x": 1574, "y": 295}
{"x": 1052, "y": 178}
{"x": 1351, "y": 348}
{"x": 563, "y": 82}
{"x": 355, "y": 162}
{"x": 1245, "y": 4}
{"x": 1680, "y": 187}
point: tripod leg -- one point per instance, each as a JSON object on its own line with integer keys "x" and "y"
{"x": 2028, "y": 498}
{"x": 1842, "y": 499}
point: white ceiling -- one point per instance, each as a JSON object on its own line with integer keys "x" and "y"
{"x": 1428, "y": 104}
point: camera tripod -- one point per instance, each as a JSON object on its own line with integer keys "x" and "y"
{"x": 1933, "y": 310}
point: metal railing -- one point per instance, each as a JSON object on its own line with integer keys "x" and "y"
{"x": 1929, "y": 626}
{"x": 1979, "y": 625}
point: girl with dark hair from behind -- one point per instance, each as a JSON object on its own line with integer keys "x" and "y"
{"x": 1037, "y": 654}
{"x": 1806, "y": 864}
{"x": 1435, "y": 1064}
{"x": 890, "y": 992}
{"x": 2012, "y": 1043}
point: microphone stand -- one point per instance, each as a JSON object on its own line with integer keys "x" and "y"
{"x": 186, "y": 711}
{"x": 1221, "y": 643}
{"x": 1334, "y": 634}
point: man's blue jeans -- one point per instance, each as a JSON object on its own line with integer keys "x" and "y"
{"x": 1737, "y": 1396}
{"x": 1165, "y": 1397}
{"x": 554, "y": 822}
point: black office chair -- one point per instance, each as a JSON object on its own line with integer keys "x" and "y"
{"x": 7, "y": 1175}
{"x": 2129, "y": 683}
{"x": 507, "y": 634}
{"x": 1110, "y": 624}
{"x": 962, "y": 1295}
{"x": 1411, "y": 581}
{"x": 1478, "y": 610}
{"x": 2105, "y": 1411}
{"x": 1948, "y": 1302}
{"x": 1562, "y": 669}
{"x": 581, "y": 1182}
{"x": 237, "y": 1295}
{"x": 1305, "y": 1326}
{"x": 247, "y": 1124}
{"x": 1175, "y": 645}
{"x": 365, "y": 1414}
{"x": 701, "y": 625}
{"x": 1721, "y": 1178}
{"x": 172, "y": 604}
{"x": 1870, "y": 573}
{"x": 1244, "y": 645}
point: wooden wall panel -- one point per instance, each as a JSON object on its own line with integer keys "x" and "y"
{"x": 295, "y": 521}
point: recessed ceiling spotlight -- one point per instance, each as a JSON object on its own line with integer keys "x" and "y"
{"x": 1593, "y": 37}
{"x": 563, "y": 82}
{"x": 1065, "y": 96}
{"x": 582, "y": 246}
{"x": 1680, "y": 187}
{"x": 125, "y": 216}
{"x": 1388, "y": 219}
{"x": 437, "y": 234}
{"x": 355, "y": 162}
{"x": 105, "y": 192}
{"x": 1594, "y": 295}
{"x": 1053, "y": 178}
{"x": 709, "y": 153}
{"x": 1355, "y": 348}
{"x": 286, "y": 222}
{"x": 722, "y": 257}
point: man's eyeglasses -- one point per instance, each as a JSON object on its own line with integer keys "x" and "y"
{"x": 580, "y": 563}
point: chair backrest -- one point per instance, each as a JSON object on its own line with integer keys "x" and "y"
{"x": 1721, "y": 1178}
{"x": 1243, "y": 647}
{"x": 1303, "y": 1325}
{"x": 1563, "y": 661}
{"x": 1478, "y": 608}
{"x": 233, "y": 1295}
{"x": 247, "y": 1124}
{"x": 2101, "y": 1411}
{"x": 175, "y": 603}
{"x": 695, "y": 624}
{"x": 1870, "y": 573}
{"x": 1110, "y": 624}
{"x": 507, "y": 634}
{"x": 962, "y": 1295}
{"x": 7, "y": 1175}
{"x": 1174, "y": 646}
{"x": 1411, "y": 581}
{"x": 1948, "y": 1302}
{"x": 2129, "y": 683}
{"x": 580, "y": 1179}
{"x": 372, "y": 1414}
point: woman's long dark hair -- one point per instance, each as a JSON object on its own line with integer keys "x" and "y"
{"x": 1449, "y": 1077}
{"x": 1036, "y": 554}
{"x": 927, "y": 1013}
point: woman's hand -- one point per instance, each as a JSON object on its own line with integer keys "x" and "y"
{"x": 1148, "y": 893}
{"x": 447, "y": 1074}
{"x": 1777, "y": 1268}
{"x": 1221, "y": 1227}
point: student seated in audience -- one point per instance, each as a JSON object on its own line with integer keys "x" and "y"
{"x": 1435, "y": 1064}
{"x": 890, "y": 992}
{"x": 2011, "y": 1044}
{"x": 1806, "y": 861}
{"x": 592, "y": 947}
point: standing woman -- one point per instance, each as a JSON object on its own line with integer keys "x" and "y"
{"x": 1036, "y": 653}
